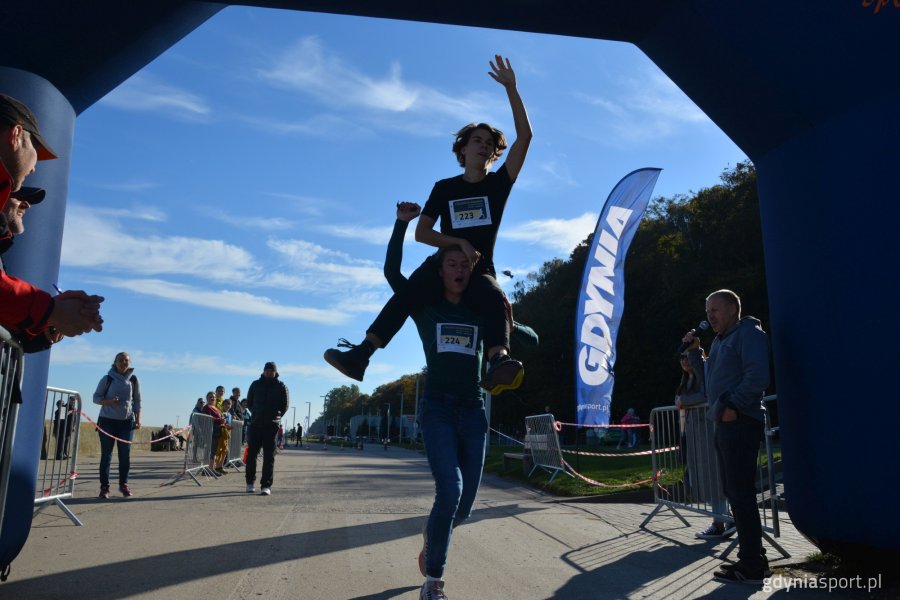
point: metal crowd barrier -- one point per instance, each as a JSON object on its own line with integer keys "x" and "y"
{"x": 198, "y": 449}
{"x": 59, "y": 451}
{"x": 11, "y": 369}
{"x": 236, "y": 446}
{"x": 683, "y": 453}
{"x": 543, "y": 444}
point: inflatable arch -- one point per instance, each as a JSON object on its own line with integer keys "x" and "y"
{"x": 809, "y": 92}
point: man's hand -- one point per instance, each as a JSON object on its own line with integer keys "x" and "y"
{"x": 470, "y": 251}
{"x": 407, "y": 211}
{"x": 75, "y": 312}
{"x": 690, "y": 338}
{"x": 728, "y": 415}
{"x": 502, "y": 72}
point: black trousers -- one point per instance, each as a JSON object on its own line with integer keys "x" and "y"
{"x": 737, "y": 444}
{"x": 261, "y": 436}
{"x": 424, "y": 288}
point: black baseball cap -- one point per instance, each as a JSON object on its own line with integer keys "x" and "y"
{"x": 14, "y": 112}
{"x": 31, "y": 195}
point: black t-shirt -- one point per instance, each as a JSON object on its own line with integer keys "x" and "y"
{"x": 472, "y": 211}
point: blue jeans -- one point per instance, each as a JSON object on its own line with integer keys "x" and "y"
{"x": 737, "y": 443}
{"x": 455, "y": 434}
{"x": 122, "y": 429}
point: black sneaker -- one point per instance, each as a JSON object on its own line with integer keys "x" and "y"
{"x": 504, "y": 373}
{"x": 352, "y": 362}
{"x": 738, "y": 573}
{"x": 710, "y": 533}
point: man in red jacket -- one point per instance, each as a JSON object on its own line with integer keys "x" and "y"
{"x": 24, "y": 309}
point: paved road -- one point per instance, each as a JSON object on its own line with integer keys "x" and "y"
{"x": 345, "y": 524}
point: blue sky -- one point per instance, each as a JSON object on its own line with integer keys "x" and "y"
{"x": 233, "y": 199}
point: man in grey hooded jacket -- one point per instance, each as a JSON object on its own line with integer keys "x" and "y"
{"x": 737, "y": 375}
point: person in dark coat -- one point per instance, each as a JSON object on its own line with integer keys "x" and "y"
{"x": 267, "y": 400}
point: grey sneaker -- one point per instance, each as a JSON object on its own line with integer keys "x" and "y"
{"x": 265, "y": 491}
{"x": 433, "y": 590}
{"x": 250, "y": 488}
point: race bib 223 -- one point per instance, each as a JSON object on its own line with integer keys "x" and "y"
{"x": 470, "y": 212}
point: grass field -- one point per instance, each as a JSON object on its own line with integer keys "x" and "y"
{"x": 616, "y": 471}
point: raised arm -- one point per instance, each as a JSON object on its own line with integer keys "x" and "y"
{"x": 504, "y": 75}
{"x": 406, "y": 212}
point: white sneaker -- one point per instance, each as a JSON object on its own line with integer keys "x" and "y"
{"x": 250, "y": 488}
{"x": 265, "y": 492}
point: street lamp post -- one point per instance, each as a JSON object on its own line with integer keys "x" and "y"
{"x": 308, "y": 413}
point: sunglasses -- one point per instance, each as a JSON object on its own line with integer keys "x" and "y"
{"x": 683, "y": 356}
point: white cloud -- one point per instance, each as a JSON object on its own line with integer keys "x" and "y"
{"x": 302, "y": 204}
{"x": 317, "y": 126}
{"x": 309, "y": 69}
{"x": 370, "y": 235}
{"x": 339, "y": 269}
{"x": 82, "y": 351}
{"x": 561, "y": 235}
{"x": 262, "y": 223}
{"x": 228, "y": 300}
{"x": 643, "y": 108}
{"x": 143, "y": 93}
{"x": 292, "y": 266}
{"x": 138, "y": 213}
{"x": 92, "y": 241}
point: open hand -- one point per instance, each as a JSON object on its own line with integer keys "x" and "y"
{"x": 503, "y": 72}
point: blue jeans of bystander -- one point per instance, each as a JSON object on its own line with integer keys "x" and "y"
{"x": 124, "y": 430}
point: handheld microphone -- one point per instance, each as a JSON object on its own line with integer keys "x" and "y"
{"x": 696, "y": 331}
